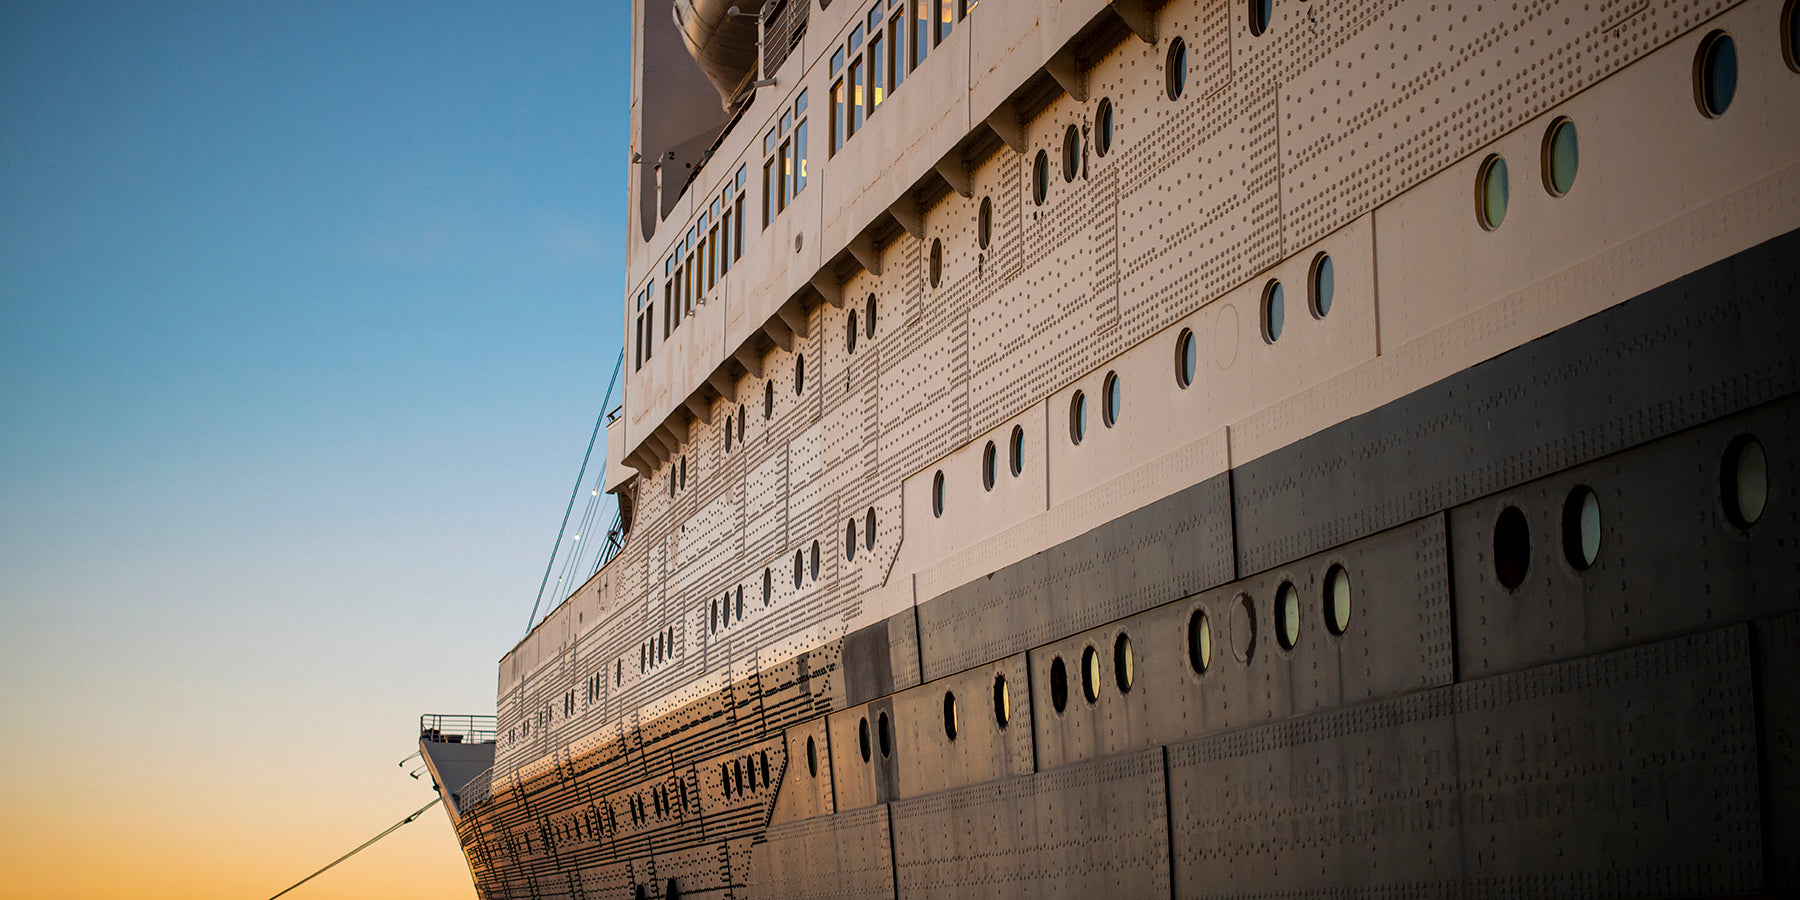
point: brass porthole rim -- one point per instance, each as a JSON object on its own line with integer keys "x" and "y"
{"x": 1548, "y": 152}
{"x": 1482, "y": 217}
{"x": 1312, "y": 283}
{"x": 1707, "y": 44}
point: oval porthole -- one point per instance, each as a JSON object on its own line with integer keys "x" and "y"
{"x": 1090, "y": 674}
{"x": 727, "y": 435}
{"x": 799, "y": 374}
{"x": 768, "y": 585}
{"x": 1002, "y": 701}
{"x": 739, "y": 613}
{"x": 1186, "y": 358}
{"x": 1274, "y": 311}
{"x": 1059, "y": 685}
{"x": 884, "y": 736}
{"x": 1199, "y": 634}
{"x": 984, "y": 223}
{"x": 1287, "y": 615}
{"x": 869, "y": 318}
{"x": 1071, "y": 153}
{"x": 1744, "y": 482}
{"x": 1337, "y": 600}
{"x": 850, "y": 541}
{"x": 952, "y": 721}
{"x": 1715, "y": 74}
{"x": 1175, "y": 69}
{"x": 1512, "y": 547}
{"x": 1261, "y": 12}
{"x": 1112, "y": 401}
{"x": 1124, "y": 666}
{"x": 1018, "y": 450}
{"x": 1562, "y": 157}
{"x": 799, "y": 569}
{"x": 1581, "y": 528}
{"x": 684, "y": 473}
{"x": 989, "y": 466}
{"x": 1103, "y": 126}
{"x": 937, "y": 261}
{"x": 643, "y": 894}
{"x": 1243, "y": 628}
{"x": 937, "y": 494}
{"x": 1790, "y": 34}
{"x": 740, "y": 423}
{"x": 1491, "y": 192}
{"x": 862, "y": 736}
{"x": 812, "y": 757}
{"x": 1077, "y": 417}
{"x": 850, "y": 333}
{"x": 768, "y": 399}
{"x": 869, "y": 530}
{"x": 1321, "y": 285}
{"x": 815, "y": 561}
{"x": 1040, "y": 178}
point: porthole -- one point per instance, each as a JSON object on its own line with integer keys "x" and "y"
{"x": 799, "y": 374}
{"x": 869, "y": 318}
{"x": 643, "y": 894}
{"x": 740, "y": 423}
{"x": 762, "y": 761}
{"x": 850, "y": 333}
{"x": 684, "y": 473}
{"x": 739, "y": 614}
{"x": 768, "y": 585}
{"x": 952, "y": 722}
{"x": 883, "y": 736}
{"x": 1561, "y": 157}
{"x": 799, "y": 569}
{"x": 1040, "y": 178}
{"x": 713, "y": 623}
{"x": 937, "y": 261}
{"x": 671, "y": 890}
{"x": 1175, "y": 69}
{"x": 727, "y": 435}
{"x": 768, "y": 399}
{"x": 812, "y": 757}
{"x": 1002, "y": 701}
{"x": 1077, "y": 418}
{"x": 1090, "y": 674}
{"x": 937, "y": 494}
{"x": 1274, "y": 311}
{"x": 1124, "y": 667}
{"x": 1114, "y": 398}
{"x": 815, "y": 561}
{"x": 1071, "y": 153}
{"x": 1059, "y": 685}
{"x": 862, "y": 734}
{"x": 1321, "y": 285}
{"x": 1581, "y": 528}
{"x": 1199, "y": 635}
{"x": 1018, "y": 450}
{"x": 1261, "y": 13}
{"x": 1744, "y": 483}
{"x": 850, "y": 541}
{"x": 1491, "y": 192}
{"x": 1512, "y": 547}
{"x": 1287, "y": 615}
{"x": 989, "y": 465}
{"x": 1186, "y": 357}
{"x": 1243, "y": 628}
{"x": 984, "y": 223}
{"x": 869, "y": 530}
{"x": 1337, "y": 600}
{"x": 1790, "y": 35}
{"x": 1103, "y": 126}
{"x": 1715, "y": 74}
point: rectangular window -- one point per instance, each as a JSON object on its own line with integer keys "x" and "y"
{"x": 712, "y": 257}
{"x": 856, "y": 97}
{"x": 876, "y": 65}
{"x": 897, "y": 49}
{"x": 921, "y": 42}
{"x": 837, "y": 61}
{"x": 785, "y": 178}
{"x": 946, "y": 18}
{"x": 769, "y": 141}
{"x": 837, "y": 117}
{"x": 800, "y": 156}
{"x": 855, "y": 42}
{"x": 737, "y": 236}
{"x": 768, "y": 192}
{"x": 726, "y": 221}
{"x": 968, "y": 6}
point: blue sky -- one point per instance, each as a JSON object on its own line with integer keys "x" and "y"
{"x": 306, "y": 311}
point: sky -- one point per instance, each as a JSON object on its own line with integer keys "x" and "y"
{"x": 306, "y": 313}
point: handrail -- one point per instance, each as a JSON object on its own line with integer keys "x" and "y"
{"x": 457, "y": 729}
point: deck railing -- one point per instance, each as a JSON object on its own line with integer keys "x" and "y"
{"x": 445, "y": 729}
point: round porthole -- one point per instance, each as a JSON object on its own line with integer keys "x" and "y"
{"x": 952, "y": 722}
{"x": 815, "y": 561}
{"x": 1715, "y": 74}
{"x": 1186, "y": 358}
{"x": 984, "y": 223}
{"x": 869, "y": 530}
{"x": 1199, "y": 635}
{"x": 1581, "y": 528}
{"x": 1337, "y": 600}
{"x": 1561, "y": 157}
{"x": 1103, "y": 126}
{"x": 850, "y": 541}
{"x": 1071, "y": 153}
{"x": 1077, "y": 417}
{"x": 1261, "y": 13}
{"x": 989, "y": 464}
{"x": 937, "y": 494}
{"x": 1512, "y": 547}
{"x": 1040, "y": 178}
{"x": 850, "y": 333}
{"x": 1491, "y": 192}
{"x": 869, "y": 318}
{"x": 1018, "y": 450}
{"x": 1090, "y": 674}
{"x": 1274, "y": 311}
{"x": 1002, "y": 701}
{"x": 1059, "y": 685}
{"x": 1124, "y": 667}
{"x": 812, "y": 757}
{"x": 1175, "y": 69}
{"x": 937, "y": 261}
{"x": 799, "y": 374}
{"x": 1744, "y": 483}
{"x": 884, "y": 736}
{"x": 1287, "y": 615}
{"x": 1113, "y": 400}
{"x": 768, "y": 399}
{"x": 1321, "y": 284}
{"x": 799, "y": 569}
{"x": 862, "y": 736}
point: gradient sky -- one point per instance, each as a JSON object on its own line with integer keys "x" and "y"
{"x": 306, "y": 311}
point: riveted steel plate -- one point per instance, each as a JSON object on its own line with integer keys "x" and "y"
{"x": 1214, "y": 661}
{"x": 1169, "y": 549}
{"x": 950, "y": 734}
{"x": 844, "y": 856}
{"x": 1731, "y": 326}
{"x": 1778, "y": 702}
{"x": 1668, "y": 559}
{"x": 1096, "y": 829}
{"x": 1632, "y": 773}
{"x": 881, "y": 658}
{"x": 699, "y": 873}
{"x": 806, "y": 791}
{"x": 861, "y": 774}
{"x": 736, "y": 791}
